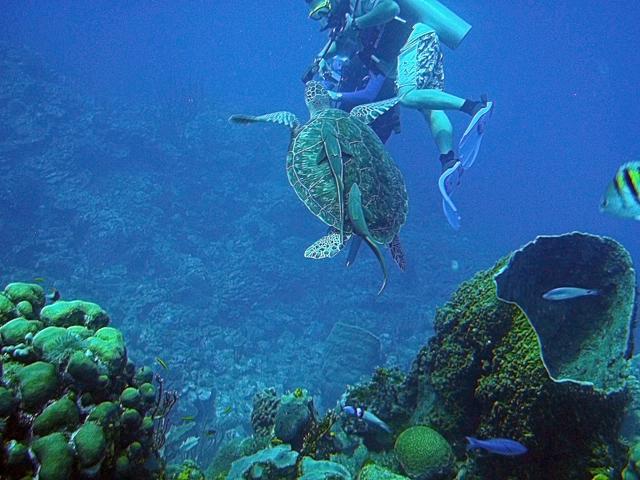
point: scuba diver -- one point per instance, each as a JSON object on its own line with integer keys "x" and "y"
{"x": 357, "y": 65}
{"x": 420, "y": 85}
{"x": 399, "y": 40}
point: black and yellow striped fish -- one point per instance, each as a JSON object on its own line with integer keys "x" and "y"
{"x": 622, "y": 197}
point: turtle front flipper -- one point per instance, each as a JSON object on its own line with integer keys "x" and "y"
{"x": 287, "y": 119}
{"x": 326, "y": 247}
{"x": 334, "y": 156}
{"x": 356, "y": 215}
{"x": 369, "y": 112}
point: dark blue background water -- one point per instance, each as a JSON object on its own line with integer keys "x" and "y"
{"x": 564, "y": 79}
{"x": 563, "y": 75}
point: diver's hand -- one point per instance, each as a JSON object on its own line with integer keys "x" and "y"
{"x": 323, "y": 66}
{"x": 348, "y": 23}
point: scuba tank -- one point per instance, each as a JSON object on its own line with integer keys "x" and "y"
{"x": 451, "y": 29}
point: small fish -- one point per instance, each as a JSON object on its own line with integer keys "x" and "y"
{"x": 162, "y": 363}
{"x": 500, "y": 446}
{"x": 367, "y": 417}
{"x": 567, "y": 293}
{"x": 188, "y": 418}
{"x": 39, "y": 279}
{"x": 211, "y": 432}
{"x": 622, "y": 197}
{"x": 53, "y": 297}
{"x": 227, "y": 410}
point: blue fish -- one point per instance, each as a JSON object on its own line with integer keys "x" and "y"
{"x": 567, "y": 293}
{"x": 500, "y": 446}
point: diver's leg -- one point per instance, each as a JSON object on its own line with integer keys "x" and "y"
{"x": 441, "y": 129}
{"x": 442, "y": 132}
{"x": 435, "y": 99}
{"x": 430, "y": 99}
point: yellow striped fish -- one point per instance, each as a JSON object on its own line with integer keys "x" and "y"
{"x": 622, "y": 197}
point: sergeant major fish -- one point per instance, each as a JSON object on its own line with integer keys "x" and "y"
{"x": 622, "y": 197}
{"x": 567, "y": 293}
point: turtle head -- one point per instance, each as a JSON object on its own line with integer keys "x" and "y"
{"x": 316, "y": 97}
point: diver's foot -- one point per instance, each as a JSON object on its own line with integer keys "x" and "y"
{"x": 447, "y": 160}
{"x": 451, "y": 169}
{"x": 450, "y": 176}
{"x": 472, "y": 107}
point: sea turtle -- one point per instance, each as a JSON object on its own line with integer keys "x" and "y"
{"x": 341, "y": 171}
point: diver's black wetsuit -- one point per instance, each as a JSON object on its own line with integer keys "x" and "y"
{"x": 365, "y": 76}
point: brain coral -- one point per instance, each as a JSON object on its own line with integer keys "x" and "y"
{"x": 424, "y": 453}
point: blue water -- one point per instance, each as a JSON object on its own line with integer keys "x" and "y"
{"x": 187, "y": 247}
{"x": 563, "y": 78}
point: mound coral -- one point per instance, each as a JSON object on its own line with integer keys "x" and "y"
{"x": 424, "y": 453}
{"x": 69, "y": 394}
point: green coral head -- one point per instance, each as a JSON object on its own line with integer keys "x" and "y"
{"x": 423, "y": 452}
{"x": 298, "y": 392}
{"x": 63, "y": 346}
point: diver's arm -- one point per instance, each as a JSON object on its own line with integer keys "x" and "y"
{"x": 365, "y": 95}
{"x": 383, "y": 12}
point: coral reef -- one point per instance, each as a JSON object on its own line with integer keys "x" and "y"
{"x": 294, "y": 418}
{"x": 98, "y": 179}
{"x": 482, "y": 374}
{"x": 69, "y": 394}
{"x": 311, "y": 469}
{"x": 263, "y": 415}
{"x": 376, "y": 472}
{"x": 632, "y": 469}
{"x": 484, "y": 365}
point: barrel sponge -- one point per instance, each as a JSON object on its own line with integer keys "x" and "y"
{"x": 423, "y": 452}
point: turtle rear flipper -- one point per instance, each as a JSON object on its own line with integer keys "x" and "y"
{"x": 287, "y": 119}
{"x": 356, "y": 215}
{"x": 326, "y": 247}
{"x": 398, "y": 253}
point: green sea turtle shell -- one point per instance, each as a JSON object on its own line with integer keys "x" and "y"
{"x": 384, "y": 195}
